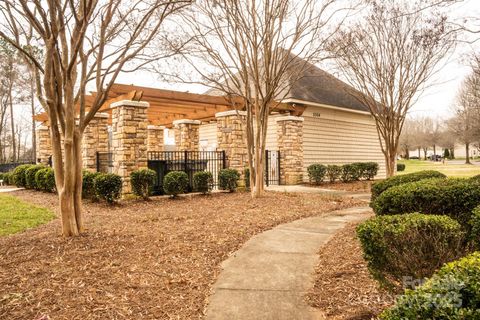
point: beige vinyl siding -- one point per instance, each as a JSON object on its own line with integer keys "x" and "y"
{"x": 208, "y": 136}
{"x": 339, "y": 137}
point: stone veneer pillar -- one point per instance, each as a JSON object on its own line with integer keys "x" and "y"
{"x": 187, "y": 137}
{"x": 232, "y": 138}
{"x": 95, "y": 139}
{"x": 155, "y": 138}
{"x": 290, "y": 145}
{"x": 43, "y": 145}
{"x": 129, "y": 143}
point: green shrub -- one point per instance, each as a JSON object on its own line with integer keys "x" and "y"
{"x": 88, "y": 184}
{"x": 350, "y": 172}
{"x": 19, "y": 175}
{"x": 175, "y": 182}
{"x": 7, "y": 178}
{"x": 228, "y": 179}
{"x": 452, "y": 293}
{"x": 143, "y": 181}
{"x": 108, "y": 187}
{"x": 2, "y": 177}
{"x": 45, "y": 179}
{"x": 246, "y": 177}
{"x": 410, "y": 245}
{"x": 452, "y": 197}
{"x": 30, "y": 176}
{"x": 474, "y": 229}
{"x": 316, "y": 173}
{"x": 333, "y": 172}
{"x": 381, "y": 186}
{"x": 203, "y": 182}
{"x": 368, "y": 170}
{"x": 400, "y": 167}
{"x": 475, "y": 178}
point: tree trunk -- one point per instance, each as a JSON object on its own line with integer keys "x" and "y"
{"x": 434, "y": 153}
{"x": 390, "y": 162}
{"x": 12, "y": 124}
{"x": 34, "y": 132}
{"x": 425, "y": 154}
{"x": 419, "y": 155}
{"x": 467, "y": 152}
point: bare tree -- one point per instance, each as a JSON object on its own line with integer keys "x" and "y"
{"x": 249, "y": 51}
{"x": 85, "y": 42}
{"x": 465, "y": 122}
{"x": 389, "y": 56}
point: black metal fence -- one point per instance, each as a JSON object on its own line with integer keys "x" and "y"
{"x": 104, "y": 162}
{"x": 7, "y": 166}
{"x": 272, "y": 167}
{"x": 163, "y": 162}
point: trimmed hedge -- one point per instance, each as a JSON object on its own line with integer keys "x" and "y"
{"x": 30, "y": 172}
{"x": 108, "y": 187}
{"x": 400, "y": 167}
{"x": 175, "y": 182}
{"x": 452, "y": 293}
{"x": 316, "y": 173}
{"x": 88, "y": 185}
{"x": 381, "y": 186}
{"x": 228, "y": 179}
{"x": 142, "y": 182}
{"x": 45, "y": 179}
{"x": 474, "y": 225}
{"x": 246, "y": 177}
{"x": 410, "y": 245}
{"x": 5, "y": 177}
{"x": 350, "y": 172}
{"x": 365, "y": 170}
{"x": 19, "y": 175}
{"x": 203, "y": 182}
{"x": 333, "y": 172}
{"x": 452, "y": 197}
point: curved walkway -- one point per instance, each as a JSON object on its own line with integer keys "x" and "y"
{"x": 269, "y": 276}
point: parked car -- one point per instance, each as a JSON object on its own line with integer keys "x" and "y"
{"x": 435, "y": 157}
{"x": 414, "y": 158}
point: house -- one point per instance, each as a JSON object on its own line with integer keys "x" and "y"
{"x": 319, "y": 121}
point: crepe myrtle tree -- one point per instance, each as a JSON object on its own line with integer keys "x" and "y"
{"x": 84, "y": 43}
{"x": 248, "y": 50}
{"x": 389, "y": 56}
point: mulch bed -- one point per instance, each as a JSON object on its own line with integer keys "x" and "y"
{"x": 137, "y": 260}
{"x": 343, "y": 287}
{"x": 354, "y": 186}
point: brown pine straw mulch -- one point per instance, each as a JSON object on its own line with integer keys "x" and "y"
{"x": 343, "y": 287}
{"x": 138, "y": 260}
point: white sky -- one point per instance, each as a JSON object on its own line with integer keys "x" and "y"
{"x": 434, "y": 102}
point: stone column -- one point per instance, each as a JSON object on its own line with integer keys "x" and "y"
{"x": 290, "y": 145}
{"x": 129, "y": 143}
{"x": 187, "y": 136}
{"x": 232, "y": 138}
{"x": 44, "y": 145}
{"x": 95, "y": 139}
{"x": 155, "y": 138}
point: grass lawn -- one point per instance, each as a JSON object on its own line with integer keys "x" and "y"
{"x": 452, "y": 168}
{"x": 140, "y": 259}
{"x": 17, "y": 215}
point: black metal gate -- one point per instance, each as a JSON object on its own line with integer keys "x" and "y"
{"x": 162, "y": 162}
{"x": 272, "y": 167}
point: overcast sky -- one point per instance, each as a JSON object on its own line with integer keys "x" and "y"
{"x": 434, "y": 102}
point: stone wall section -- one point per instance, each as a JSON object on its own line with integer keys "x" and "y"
{"x": 44, "y": 145}
{"x": 290, "y": 145}
{"x": 155, "y": 137}
{"x": 95, "y": 139}
{"x": 232, "y": 138}
{"x": 187, "y": 137}
{"x": 129, "y": 139}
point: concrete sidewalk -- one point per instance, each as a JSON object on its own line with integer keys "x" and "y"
{"x": 9, "y": 189}
{"x": 269, "y": 276}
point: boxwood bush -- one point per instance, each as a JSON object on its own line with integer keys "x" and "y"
{"x": 474, "y": 228}
{"x": 452, "y": 293}
{"x": 143, "y": 181}
{"x": 8, "y": 178}
{"x": 400, "y": 167}
{"x": 88, "y": 184}
{"x": 410, "y": 245}
{"x": 19, "y": 175}
{"x": 381, "y": 186}
{"x": 246, "y": 177}
{"x": 453, "y": 197}
{"x": 203, "y": 182}
{"x": 334, "y": 172}
{"x": 367, "y": 170}
{"x": 108, "y": 187}
{"x": 350, "y": 172}
{"x": 30, "y": 172}
{"x": 228, "y": 179}
{"x": 45, "y": 179}
{"x": 175, "y": 182}
{"x": 316, "y": 173}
